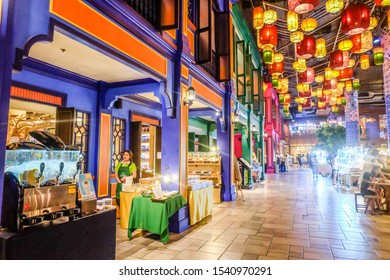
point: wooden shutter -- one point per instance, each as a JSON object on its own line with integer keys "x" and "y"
{"x": 167, "y": 14}
{"x": 240, "y": 70}
{"x": 65, "y": 124}
{"x": 203, "y": 32}
{"x": 222, "y": 45}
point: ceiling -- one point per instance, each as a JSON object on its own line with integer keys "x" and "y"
{"x": 371, "y": 92}
{"x": 74, "y": 56}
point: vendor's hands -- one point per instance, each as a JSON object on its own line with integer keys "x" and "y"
{"x": 123, "y": 179}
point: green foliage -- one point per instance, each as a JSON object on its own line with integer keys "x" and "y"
{"x": 331, "y": 138}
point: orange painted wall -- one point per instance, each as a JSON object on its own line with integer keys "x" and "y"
{"x": 104, "y": 156}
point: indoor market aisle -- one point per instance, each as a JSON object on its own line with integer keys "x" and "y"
{"x": 291, "y": 216}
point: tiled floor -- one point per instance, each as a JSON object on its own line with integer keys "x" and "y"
{"x": 290, "y": 216}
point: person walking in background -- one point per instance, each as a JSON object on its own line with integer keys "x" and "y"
{"x": 314, "y": 165}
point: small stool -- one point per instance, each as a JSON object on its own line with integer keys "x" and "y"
{"x": 357, "y": 204}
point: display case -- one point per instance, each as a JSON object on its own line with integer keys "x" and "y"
{"x": 146, "y": 147}
{"x": 39, "y": 181}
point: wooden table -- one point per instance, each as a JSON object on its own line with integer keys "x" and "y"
{"x": 386, "y": 187}
{"x": 154, "y": 216}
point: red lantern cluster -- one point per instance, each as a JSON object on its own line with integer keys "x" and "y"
{"x": 338, "y": 60}
{"x": 355, "y": 19}
{"x": 330, "y": 84}
{"x": 268, "y": 36}
{"x": 307, "y": 47}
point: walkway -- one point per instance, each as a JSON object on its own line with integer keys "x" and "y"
{"x": 289, "y": 217}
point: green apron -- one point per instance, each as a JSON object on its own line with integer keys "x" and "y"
{"x": 123, "y": 171}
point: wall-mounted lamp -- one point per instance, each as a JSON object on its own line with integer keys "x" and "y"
{"x": 190, "y": 97}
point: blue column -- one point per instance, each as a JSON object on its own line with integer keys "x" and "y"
{"x": 352, "y": 119}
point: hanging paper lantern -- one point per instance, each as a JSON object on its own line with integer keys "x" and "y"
{"x": 308, "y": 24}
{"x": 321, "y": 105}
{"x": 297, "y": 99}
{"x": 258, "y": 17}
{"x": 299, "y": 87}
{"x": 351, "y": 62}
{"x": 268, "y": 55}
{"x": 361, "y": 42}
{"x": 283, "y": 86}
{"x": 300, "y": 65}
{"x": 299, "y": 108}
{"x": 382, "y": 2}
{"x": 276, "y": 68}
{"x": 340, "y": 85}
{"x": 278, "y": 57}
{"x": 334, "y": 6}
{"x": 275, "y": 81}
{"x": 296, "y": 37}
{"x": 281, "y": 98}
{"x": 304, "y": 95}
{"x": 338, "y": 101}
{"x": 306, "y": 77}
{"x": 379, "y": 56}
{"x": 313, "y": 92}
{"x": 306, "y": 87}
{"x": 287, "y": 98}
{"x": 286, "y": 108}
{"x": 292, "y": 21}
{"x": 330, "y": 84}
{"x": 270, "y": 16}
{"x": 307, "y": 103}
{"x": 319, "y": 78}
{"x": 364, "y": 61}
{"x": 320, "y": 48}
{"x": 343, "y": 101}
{"x": 346, "y": 74}
{"x": 356, "y": 84}
{"x": 302, "y": 6}
{"x": 338, "y": 60}
{"x": 345, "y": 45}
{"x": 335, "y": 109}
{"x": 326, "y": 91}
{"x": 319, "y": 92}
{"x": 268, "y": 36}
{"x": 328, "y": 73}
{"x": 355, "y": 19}
{"x": 307, "y": 47}
{"x": 348, "y": 86}
{"x": 373, "y": 23}
{"x": 335, "y": 73}
{"x": 388, "y": 19}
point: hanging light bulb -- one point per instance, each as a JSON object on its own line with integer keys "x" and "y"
{"x": 334, "y": 6}
{"x": 292, "y": 21}
{"x": 270, "y": 16}
{"x": 258, "y": 17}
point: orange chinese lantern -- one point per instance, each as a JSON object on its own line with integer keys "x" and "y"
{"x": 287, "y": 98}
{"x": 346, "y": 74}
{"x": 348, "y": 85}
{"x": 345, "y": 45}
{"x": 302, "y": 6}
{"x": 258, "y": 17}
{"x": 309, "y": 24}
{"x": 355, "y": 19}
{"x": 338, "y": 60}
{"x": 292, "y": 21}
{"x": 296, "y": 37}
{"x": 307, "y": 47}
{"x": 268, "y": 36}
{"x": 276, "y": 68}
{"x": 320, "y": 48}
{"x": 364, "y": 61}
{"x": 361, "y": 42}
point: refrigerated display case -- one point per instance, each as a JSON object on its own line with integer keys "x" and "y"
{"x": 146, "y": 147}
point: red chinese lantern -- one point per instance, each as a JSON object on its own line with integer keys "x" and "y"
{"x": 268, "y": 36}
{"x": 276, "y": 68}
{"x": 362, "y": 42}
{"x": 330, "y": 84}
{"x": 287, "y": 98}
{"x": 304, "y": 94}
{"x": 302, "y": 6}
{"x": 307, "y": 47}
{"x": 355, "y": 19}
{"x": 306, "y": 77}
{"x": 345, "y": 74}
{"x": 338, "y": 60}
{"x": 307, "y": 103}
{"x": 323, "y": 98}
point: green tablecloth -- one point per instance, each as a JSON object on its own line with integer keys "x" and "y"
{"x": 153, "y": 216}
